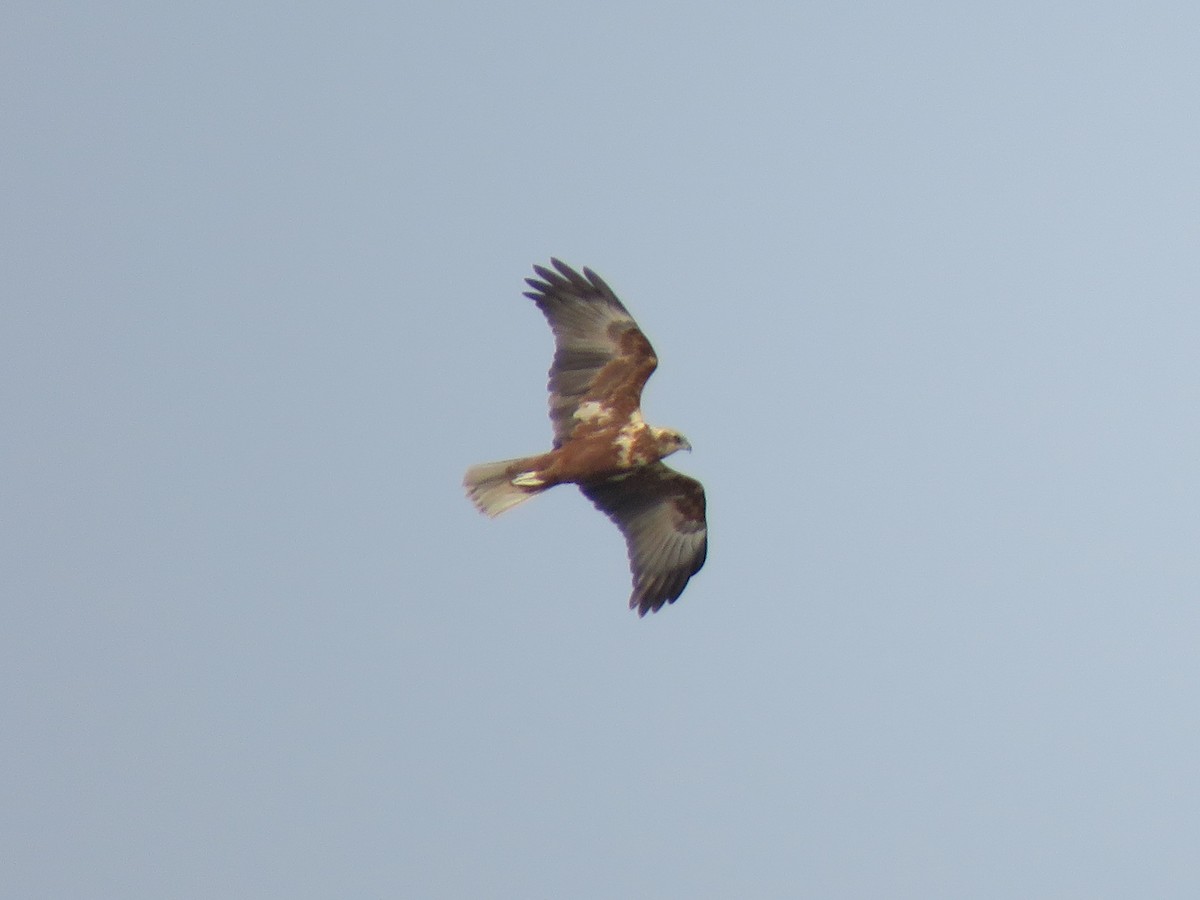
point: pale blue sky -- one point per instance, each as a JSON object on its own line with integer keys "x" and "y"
{"x": 925, "y": 284}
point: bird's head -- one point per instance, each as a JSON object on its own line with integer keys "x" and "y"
{"x": 669, "y": 440}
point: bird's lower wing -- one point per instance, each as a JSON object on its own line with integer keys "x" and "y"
{"x": 661, "y": 513}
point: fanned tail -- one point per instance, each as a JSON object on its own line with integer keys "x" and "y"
{"x": 490, "y": 485}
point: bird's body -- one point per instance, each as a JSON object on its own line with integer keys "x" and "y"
{"x": 601, "y": 441}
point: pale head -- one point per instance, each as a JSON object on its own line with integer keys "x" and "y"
{"x": 668, "y": 440}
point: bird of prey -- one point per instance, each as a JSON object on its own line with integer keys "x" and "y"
{"x": 601, "y": 442}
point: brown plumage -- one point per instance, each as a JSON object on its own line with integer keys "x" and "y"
{"x": 601, "y": 442}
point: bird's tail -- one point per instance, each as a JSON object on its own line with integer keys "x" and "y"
{"x": 498, "y": 486}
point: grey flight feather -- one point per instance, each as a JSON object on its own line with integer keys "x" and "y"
{"x": 661, "y": 514}
{"x": 588, "y": 322}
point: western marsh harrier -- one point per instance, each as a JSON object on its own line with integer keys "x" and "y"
{"x": 601, "y": 442}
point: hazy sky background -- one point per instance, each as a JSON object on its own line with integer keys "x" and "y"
{"x": 924, "y": 280}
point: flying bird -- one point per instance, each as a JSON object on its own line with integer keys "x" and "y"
{"x": 601, "y": 442}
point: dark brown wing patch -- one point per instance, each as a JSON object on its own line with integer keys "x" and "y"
{"x": 601, "y": 359}
{"x": 661, "y": 514}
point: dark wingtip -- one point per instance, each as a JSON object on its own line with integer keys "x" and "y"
{"x": 568, "y": 275}
{"x": 648, "y": 604}
{"x": 597, "y": 282}
{"x": 562, "y": 277}
{"x": 564, "y": 270}
{"x": 660, "y": 591}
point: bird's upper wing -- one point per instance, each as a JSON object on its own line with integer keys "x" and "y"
{"x": 661, "y": 514}
{"x": 601, "y": 358}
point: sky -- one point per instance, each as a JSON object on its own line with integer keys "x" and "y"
{"x": 923, "y": 281}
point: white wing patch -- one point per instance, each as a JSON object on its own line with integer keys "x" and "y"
{"x": 624, "y": 442}
{"x": 626, "y": 437}
{"x": 593, "y": 411}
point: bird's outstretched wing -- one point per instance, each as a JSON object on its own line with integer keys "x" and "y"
{"x": 661, "y": 514}
{"x": 601, "y": 358}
